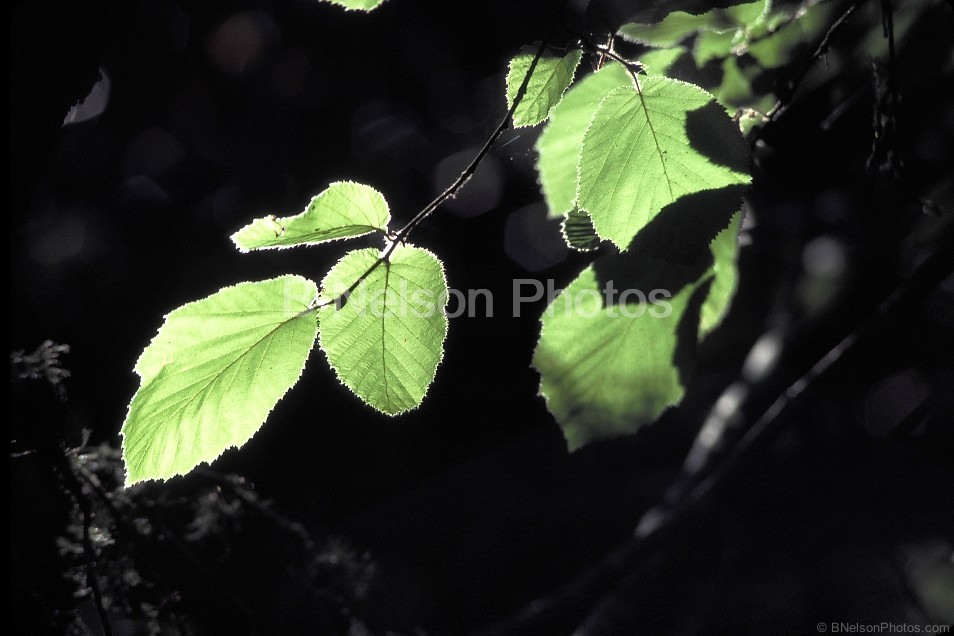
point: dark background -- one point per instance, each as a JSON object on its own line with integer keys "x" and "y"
{"x": 471, "y": 507}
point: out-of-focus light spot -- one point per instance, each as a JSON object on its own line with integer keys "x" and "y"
{"x": 94, "y": 104}
{"x": 238, "y": 44}
{"x": 824, "y": 262}
{"x": 824, "y": 257}
{"x": 59, "y": 241}
{"x": 763, "y": 357}
{"x": 929, "y": 567}
{"x": 532, "y": 240}
{"x": 727, "y": 404}
{"x": 151, "y": 153}
{"x": 749, "y": 223}
{"x": 711, "y": 435}
{"x": 480, "y": 194}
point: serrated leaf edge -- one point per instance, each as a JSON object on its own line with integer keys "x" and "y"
{"x": 122, "y": 432}
{"x": 440, "y": 358}
{"x": 663, "y": 79}
{"x": 523, "y": 51}
{"x": 370, "y": 229}
{"x": 349, "y": 9}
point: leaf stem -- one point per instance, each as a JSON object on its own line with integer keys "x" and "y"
{"x": 633, "y": 69}
{"x": 471, "y": 168}
{"x": 822, "y": 48}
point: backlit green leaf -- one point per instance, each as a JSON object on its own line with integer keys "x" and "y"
{"x": 741, "y": 23}
{"x": 658, "y": 61}
{"x": 669, "y": 31}
{"x": 559, "y": 143}
{"x": 777, "y": 49}
{"x": 616, "y": 345}
{"x": 343, "y": 210}
{"x": 357, "y": 5}
{"x": 550, "y": 78}
{"x": 607, "y": 367}
{"x": 214, "y": 372}
{"x": 725, "y": 275}
{"x": 641, "y": 153}
{"x": 714, "y": 44}
{"x": 679, "y": 25}
{"x": 386, "y": 340}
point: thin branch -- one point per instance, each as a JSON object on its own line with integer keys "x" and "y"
{"x": 402, "y": 234}
{"x": 91, "y": 577}
{"x": 75, "y": 488}
{"x": 887, "y": 21}
{"x": 289, "y": 526}
{"x": 471, "y": 168}
{"x": 119, "y": 517}
{"x": 820, "y": 51}
{"x": 886, "y": 103}
{"x": 43, "y": 363}
{"x": 634, "y": 68}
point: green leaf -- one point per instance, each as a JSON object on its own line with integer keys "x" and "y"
{"x": 735, "y": 89}
{"x": 679, "y": 25}
{"x": 578, "y": 231}
{"x": 559, "y": 144}
{"x": 214, "y": 372}
{"x": 668, "y": 32}
{"x": 777, "y": 49}
{"x": 749, "y": 15}
{"x": 725, "y": 276}
{"x": 357, "y": 5}
{"x": 742, "y": 22}
{"x": 343, "y": 210}
{"x": 713, "y": 44}
{"x": 658, "y": 61}
{"x": 641, "y": 153}
{"x": 617, "y": 344}
{"x": 551, "y": 77}
{"x": 607, "y": 368}
{"x": 387, "y": 338}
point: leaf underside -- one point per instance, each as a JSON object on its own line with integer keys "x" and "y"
{"x": 343, "y": 210}
{"x": 386, "y": 340}
{"x": 214, "y": 371}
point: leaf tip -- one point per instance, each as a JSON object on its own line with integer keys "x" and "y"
{"x": 239, "y": 244}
